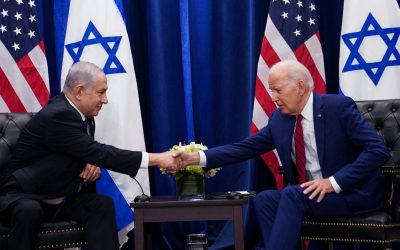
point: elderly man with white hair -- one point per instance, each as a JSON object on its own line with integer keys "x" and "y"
{"x": 330, "y": 155}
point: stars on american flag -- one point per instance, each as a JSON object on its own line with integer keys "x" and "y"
{"x": 4, "y": 13}
{"x": 3, "y": 28}
{"x": 18, "y": 26}
{"x": 17, "y": 31}
{"x": 299, "y": 4}
{"x": 31, "y": 33}
{"x": 15, "y": 46}
{"x": 18, "y": 16}
{"x": 299, "y": 14}
{"x": 32, "y": 18}
{"x": 31, "y": 3}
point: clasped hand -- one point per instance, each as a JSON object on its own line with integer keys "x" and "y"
{"x": 170, "y": 161}
{"x": 173, "y": 161}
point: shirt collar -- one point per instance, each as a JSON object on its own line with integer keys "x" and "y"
{"x": 73, "y": 105}
{"x": 307, "y": 111}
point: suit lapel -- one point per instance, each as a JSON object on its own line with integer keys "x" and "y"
{"x": 286, "y": 137}
{"x": 319, "y": 126}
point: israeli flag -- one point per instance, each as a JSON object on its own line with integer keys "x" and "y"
{"x": 95, "y": 31}
{"x": 369, "y": 67}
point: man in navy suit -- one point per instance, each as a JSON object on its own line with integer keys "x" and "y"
{"x": 56, "y": 154}
{"x": 333, "y": 170}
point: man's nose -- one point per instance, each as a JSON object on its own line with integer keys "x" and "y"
{"x": 105, "y": 99}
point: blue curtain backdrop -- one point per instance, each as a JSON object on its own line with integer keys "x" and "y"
{"x": 201, "y": 56}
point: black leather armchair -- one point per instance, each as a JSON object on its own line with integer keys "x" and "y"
{"x": 54, "y": 235}
{"x": 380, "y": 228}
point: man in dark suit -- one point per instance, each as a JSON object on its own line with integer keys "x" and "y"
{"x": 330, "y": 155}
{"x": 54, "y": 156}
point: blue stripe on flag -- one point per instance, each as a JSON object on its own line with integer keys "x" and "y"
{"x": 108, "y": 187}
{"x": 120, "y": 6}
{"x": 186, "y": 67}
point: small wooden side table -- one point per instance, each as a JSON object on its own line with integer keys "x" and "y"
{"x": 168, "y": 209}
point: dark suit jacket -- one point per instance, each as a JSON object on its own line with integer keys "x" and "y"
{"x": 348, "y": 149}
{"x": 54, "y": 147}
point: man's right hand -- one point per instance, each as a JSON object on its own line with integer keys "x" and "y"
{"x": 171, "y": 161}
{"x": 192, "y": 158}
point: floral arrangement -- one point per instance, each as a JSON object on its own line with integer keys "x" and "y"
{"x": 191, "y": 169}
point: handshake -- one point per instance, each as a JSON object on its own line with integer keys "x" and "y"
{"x": 173, "y": 161}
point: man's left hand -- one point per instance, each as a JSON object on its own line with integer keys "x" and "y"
{"x": 317, "y": 187}
{"x": 90, "y": 173}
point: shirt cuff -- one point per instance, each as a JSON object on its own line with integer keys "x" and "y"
{"x": 145, "y": 160}
{"x": 203, "y": 159}
{"x": 334, "y": 184}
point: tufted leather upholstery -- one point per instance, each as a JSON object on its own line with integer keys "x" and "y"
{"x": 55, "y": 235}
{"x": 381, "y": 227}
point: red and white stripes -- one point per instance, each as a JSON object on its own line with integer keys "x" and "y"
{"x": 24, "y": 85}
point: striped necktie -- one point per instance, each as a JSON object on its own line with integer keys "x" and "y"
{"x": 300, "y": 150}
{"x": 88, "y": 126}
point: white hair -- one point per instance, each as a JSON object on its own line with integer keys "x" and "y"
{"x": 295, "y": 71}
{"x": 81, "y": 73}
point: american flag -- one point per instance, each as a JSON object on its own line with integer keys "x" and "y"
{"x": 24, "y": 84}
{"x": 291, "y": 33}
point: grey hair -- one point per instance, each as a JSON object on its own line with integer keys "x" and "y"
{"x": 81, "y": 73}
{"x": 295, "y": 71}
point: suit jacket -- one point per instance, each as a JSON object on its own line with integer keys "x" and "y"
{"x": 53, "y": 149}
{"x": 348, "y": 149}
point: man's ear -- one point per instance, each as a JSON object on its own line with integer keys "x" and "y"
{"x": 302, "y": 87}
{"x": 79, "y": 91}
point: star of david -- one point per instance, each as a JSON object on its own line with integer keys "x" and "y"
{"x": 373, "y": 69}
{"x": 110, "y": 45}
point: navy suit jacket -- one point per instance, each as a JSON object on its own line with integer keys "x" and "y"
{"x": 348, "y": 149}
{"x": 53, "y": 149}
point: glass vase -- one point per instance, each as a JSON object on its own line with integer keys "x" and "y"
{"x": 190, "y": 187}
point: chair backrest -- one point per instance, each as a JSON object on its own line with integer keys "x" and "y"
{"x": 384, "y": 116}
{"x": 11, "y": 125}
